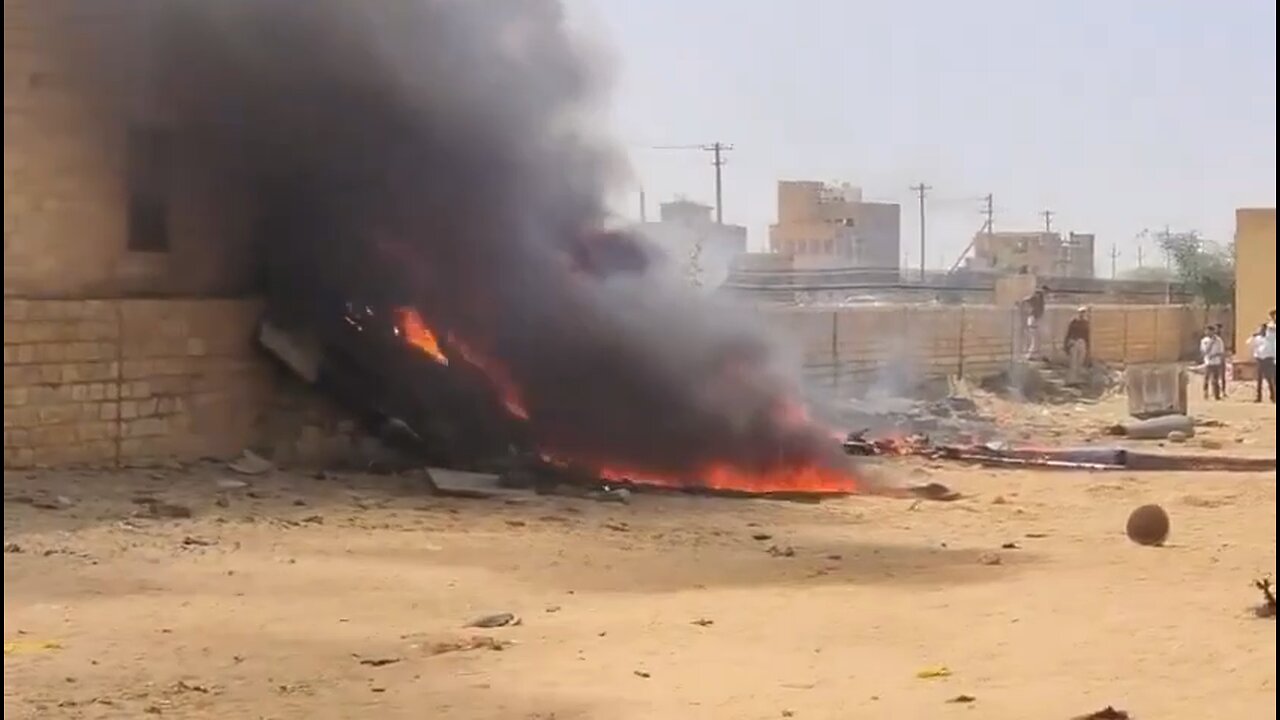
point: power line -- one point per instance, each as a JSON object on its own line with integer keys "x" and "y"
{"x": 717, "y": 150}
{"x": 920, "y": 189}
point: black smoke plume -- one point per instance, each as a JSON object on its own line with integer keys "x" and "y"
{"x": 433, "y": 154}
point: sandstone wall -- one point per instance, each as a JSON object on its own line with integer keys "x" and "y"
{"x": 855, "y": 345}
{"x": 123, "y": 382}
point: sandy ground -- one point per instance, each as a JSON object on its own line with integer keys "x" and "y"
{"x": 298, "y": 597}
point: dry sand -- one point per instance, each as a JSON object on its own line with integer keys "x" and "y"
{"x": 298, "y": 597}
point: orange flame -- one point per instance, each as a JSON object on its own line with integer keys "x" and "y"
{"x": 498, "y": 375}
{"x": 415, "y": 331}
{"x": 722, "y": 475}
{"x": 725, "y": 476}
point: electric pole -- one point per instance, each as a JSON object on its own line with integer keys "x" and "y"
{"x": 1115, "y": 252}
{"x": 920, "y": 189}
{"x": 989, "y": 212}
{"x": 1048, "y": 220}
{"x": 717, "y": 150}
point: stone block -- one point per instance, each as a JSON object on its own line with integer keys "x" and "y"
{"x": 1155, "y": 390}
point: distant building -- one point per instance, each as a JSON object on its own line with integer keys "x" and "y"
{"x": 693, "y": 240}
{"x": 1255, "y": 272}
{"x": 820, "y": 224}
{"x": 1046, "y": 254}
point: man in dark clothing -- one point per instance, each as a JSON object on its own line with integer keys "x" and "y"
{"x": 1034, "y": 308}
{"x": 1076, "y": 344}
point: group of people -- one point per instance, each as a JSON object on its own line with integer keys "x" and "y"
{"x": 1076, "y": 342}
{"x": 1213, "y": 349}
{"x": 1262, "y": 346}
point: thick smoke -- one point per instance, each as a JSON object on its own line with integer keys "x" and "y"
{"x": 432, "y": 153}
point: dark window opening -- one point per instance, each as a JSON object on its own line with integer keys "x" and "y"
{"x": 148, "y": 187}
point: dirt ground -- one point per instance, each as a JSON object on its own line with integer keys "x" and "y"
{"x": 347, "y": 596}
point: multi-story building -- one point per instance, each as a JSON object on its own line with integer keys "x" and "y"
{"x": 824, "y": 224}
{"x": 696, "y": 242}
{"x": 1047, "y": 254}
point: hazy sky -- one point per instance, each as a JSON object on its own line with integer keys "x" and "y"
{"x": 1118, "y": 115}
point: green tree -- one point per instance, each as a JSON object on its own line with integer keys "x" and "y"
{"x": 1205, "y": 268}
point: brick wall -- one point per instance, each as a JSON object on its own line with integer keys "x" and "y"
{"x": 129, "y": 382}
{"x": 854, "y": 344}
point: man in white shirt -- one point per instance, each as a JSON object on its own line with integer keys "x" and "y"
{"x": 1214, "y": 353}
{"x": 1264, "y": 353}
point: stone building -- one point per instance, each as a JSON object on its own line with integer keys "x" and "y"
{"x": 686, "y": 231}
{"x": 129, "y": 302}
{"x": 820, "y": 224}
{"x": 1047, "y": 254}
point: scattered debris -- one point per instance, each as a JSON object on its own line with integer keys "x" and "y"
{"x": 379, "y": 661}
{"x": 26, "y": 647}
{"x": 703, "y": 622}
{"x": 990, "y": 558}
{"x": 1011, "y": 546}
{"x": 60, "y": 502}
{"x": 476, "y": 642}
{"x": 1106, "y": 713}
{"x": 1266, "y": 609}
{"x": 934, "y": 491}
{"x": 162, "y": 510}
{"x": 552, "y": 608}
{"x": 12, "y": 547}
{"x": 931, "y": 673}
{"x": 250, "y": 463}
{"x": 1156, "y": 428}
{"x": 231, "y": 484}
{"x": 641, "y": 674}
{"x": 761, "y": 536}
{"x": 611, "y": 494}
{"x": 617, "y": 526}
{"x": 192, "y": 541}
{"x": 496, "y": 620}
{"x": 784, "y": 551}
{"x": 960, "y": 699}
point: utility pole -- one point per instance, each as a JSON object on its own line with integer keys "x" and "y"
{"x": 1048, "y": 220}
{"x": 717, "y": 150}
{"x": 920, "y": 189}
{"x": 1139, "y": 256}
{"x": 643, "y": 214}
{"x": 1115, "y": 252}
{"x": 988, "y": 228}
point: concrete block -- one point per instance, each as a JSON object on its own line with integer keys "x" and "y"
{"x": 1155, "y": 390}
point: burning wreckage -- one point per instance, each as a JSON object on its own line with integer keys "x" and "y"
{"x": 444, "y": 402}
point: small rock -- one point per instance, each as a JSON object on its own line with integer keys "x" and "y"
{"x": 704, "y": 622}
{"x": 1176, "y": 436}
{"x": 231, "y": 484}
{"x": 641, "y": 674}
{"x": 618, "y": 527}
{"x": 1011, "y": 546}
{"x": 496, "y": 620}
{"x": 761, "y": 536}
{"x": 552, "y": 608}
{"x": 379, "y": 661}
{"x": 989, "y": 559}
{"x": 1211, "y": 444}
{"x": 222, "y": 501}
{"x": 12, "y": 547}
{"x": 164, "y": 510}
{"x": 192, "y": 541}
{"x": 962, "y": 699}
{"x": 998, "y": 500}
{"x": 784, "y": 551}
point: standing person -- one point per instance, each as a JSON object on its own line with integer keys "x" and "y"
{"x": 1264, "y": 364}
{"x": 1215, "y": 362}
{"x": 1267, "y": 359}
{"x": 1076, "y": 344}
{"x": 1034, "y": 307}
{"x": 1205, "y": 341}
